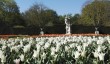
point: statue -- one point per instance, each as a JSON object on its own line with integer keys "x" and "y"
{"x": 96, "y": 30}
{"x": 41, "y": 32}
{"x": 68, "y": 25}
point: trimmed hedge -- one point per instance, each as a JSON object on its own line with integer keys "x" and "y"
{"x": 57, "y": 29}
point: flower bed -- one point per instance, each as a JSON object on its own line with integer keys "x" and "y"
{"x": 63, "y": 49}
{"x": 51, "y": 35}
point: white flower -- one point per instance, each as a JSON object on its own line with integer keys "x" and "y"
{"x": 26, "y": 48}
{"x": 85, "y": 45}
{"x": 38, "y": 46}
{"x": 72, "y": 45}
{"x": 55, "y": 57}
{"x": 66, "y": 48}
{"x": 35, "y": 54}
{"x": 46, "y": 45}
{"x": 101, "y": 56}
{"x": 13, "y": 43}
{"x": 1, "y": 53}
{"x": 52, "y": 53}
{"x": 15, "y": 48}
{"x": 9, "y": 45}
{"x": 58, "y": 47}
{"x": 12, "y": 48}
{"x": 17, "y": 61}
{"x": 43, "y": 55}
{"x": 30, "y": 38}
{"x": 95, "y": 54}
{"x": 53, "y": 50}
{"x": 3, "y": 58}
{"x": 24, "y": 39}
{"x": 77, "y": 54}
{"x": 89, "y": 41}
{"x": 21, "y": 43}
{"x": 22, "y": 57}
{"x": 83, "y": 53}
{"x": 101, "y": 41}
{"x": 4, "y": 47}
{"x": 109, "y": 41}
{"x": 41, "y": 42}
{"x": 99, "y": 49}
{"x": 79, "y": 48}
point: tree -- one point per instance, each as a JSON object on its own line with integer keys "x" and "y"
{"x": 61, "y": 20}
{"x": 51, "y": 17}
{"x": 96, "y": 13}
{"x": 40, "y": 15}
{"x": 75, "y": 19}
{"x": 34, "y": 16}
{"x": 9, "y": 13}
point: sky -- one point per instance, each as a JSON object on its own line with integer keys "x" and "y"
{"x": 62, "y": 7}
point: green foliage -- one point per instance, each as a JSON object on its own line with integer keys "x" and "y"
{"x": 61, "y": 19}
{"x": 96, "y": 13}
{"x": 9, "y": 12}
{"x": 9, "y": 16}
{"x": 75, "y": 19}
{"x": 51, "y": 17}
{"x": 39, "y": 15}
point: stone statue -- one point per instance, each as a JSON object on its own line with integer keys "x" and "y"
{"x": 41, "y": 32}
{"x": 68, "y": 25}
{"x": 96, "y": 30}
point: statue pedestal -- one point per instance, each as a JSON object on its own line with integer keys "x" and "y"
{"x": 41, "y": 32}
{"x": 96, "y": 32}
{"x": 68, "y": 31}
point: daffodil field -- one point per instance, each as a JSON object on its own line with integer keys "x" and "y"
{"x": 55, "y": 50}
